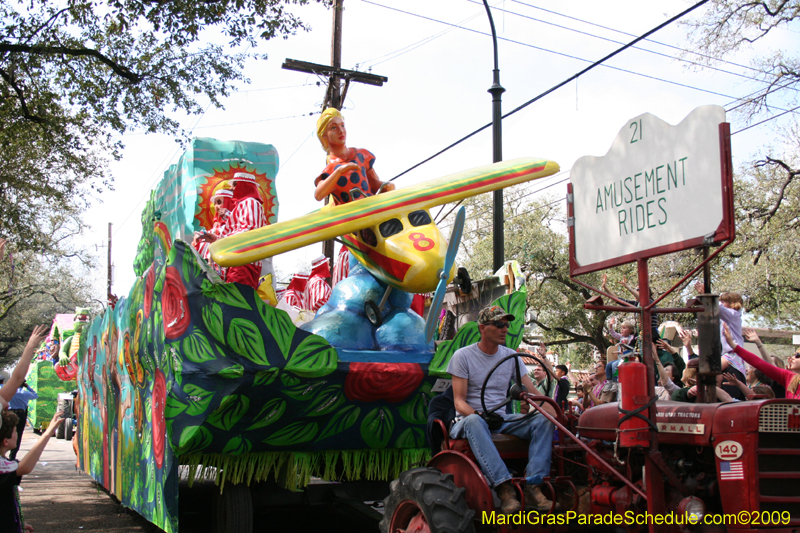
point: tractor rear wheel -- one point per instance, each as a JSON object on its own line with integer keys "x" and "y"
{"x": 426, "y": 500}
{"x": 69, "y": 429}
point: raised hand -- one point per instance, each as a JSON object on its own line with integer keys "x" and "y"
{"x": 750, "y": 335}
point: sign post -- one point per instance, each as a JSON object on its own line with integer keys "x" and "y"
{"x": 659, "y": 189}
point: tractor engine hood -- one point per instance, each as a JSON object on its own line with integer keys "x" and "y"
{"x": 678, "y": 422}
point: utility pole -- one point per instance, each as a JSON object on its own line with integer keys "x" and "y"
{"x": 111, "y": 299}
{"x": 335, "y": 93}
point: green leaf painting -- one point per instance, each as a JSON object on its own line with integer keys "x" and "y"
{"x": 313, "y": 358}
{"x": 237, "y": 446}
{"x": 515, "y": 304}
{"x": 160, "y": 277}
{"x": 270, "y": 413}
{"x": 468, "y": 334}
{"x": 294, "y": 433}
{"x": 279, "y": 324}
{"x": 199, "y": 399}
{"x": 377, "y": 427}
{"x": 190, "y": 267}
{"x": 246, "y": 340}
{"x": 177, "y": 363}
{"x": 212, "y": 318}
{"x": 342, "y": 420}
{"x": 232, "y": 372}
{"x": 415, "y": 411}
{"x": 304, "y": 390}
{"x": 265, "y": 377}
{"x": 230, "y": 410}
{"x": 326, "y": 401}
{"x": 196, "y": 347}
{"x": 226, "y": 293}
{"x": 194, "y": 439}
{"x": 411, "y": 438}
{"x": 173, "y": 407}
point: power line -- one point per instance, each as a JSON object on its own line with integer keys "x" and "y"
{"x": 557, "y": 86}
{"x": 312, "y": 113}
{"x": 618, "y": 42}
{"x": 634, "y": 35}
{"x": 766, "y": 120}
{"x": 555, "y": 52}
{"x": 152, "y": 182}
{"x": 417, "y": 44}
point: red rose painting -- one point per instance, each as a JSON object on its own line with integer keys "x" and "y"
{"x": 159, "y": 401}
{"x": 175, "y": 306}
{"x": 392, "y": 382}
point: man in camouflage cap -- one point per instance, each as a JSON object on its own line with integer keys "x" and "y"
{"x": 469, "y": 367}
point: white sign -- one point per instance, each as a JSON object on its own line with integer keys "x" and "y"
{"x": 658, "y": 185}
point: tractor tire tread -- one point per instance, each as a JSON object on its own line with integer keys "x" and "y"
{"x": 436, "y": 495}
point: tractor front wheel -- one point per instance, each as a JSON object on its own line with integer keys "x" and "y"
{"x": 424, "y": 500}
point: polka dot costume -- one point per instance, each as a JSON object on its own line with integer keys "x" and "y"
{"x": 352, "y": 185}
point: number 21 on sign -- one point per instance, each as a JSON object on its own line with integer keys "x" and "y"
{"x": 636, "y": 126}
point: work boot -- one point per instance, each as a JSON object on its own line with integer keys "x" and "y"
{"x": 509, "y": 503}
{"x": 536, "y": 501}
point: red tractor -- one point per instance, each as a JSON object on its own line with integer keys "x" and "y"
{"x": 719, "y": 466}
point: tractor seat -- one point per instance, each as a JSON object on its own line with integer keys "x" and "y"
{"x": 509, "y": 446}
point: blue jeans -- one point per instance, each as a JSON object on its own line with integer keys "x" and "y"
{"x": 537, "y": 429}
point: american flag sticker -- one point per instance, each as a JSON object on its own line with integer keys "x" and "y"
{"x": 731, "y": 470}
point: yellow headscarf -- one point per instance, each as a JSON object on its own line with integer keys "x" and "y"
{"x": 322, "y": 125}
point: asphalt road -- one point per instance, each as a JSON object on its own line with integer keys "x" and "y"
{"x": 56, "y": 498}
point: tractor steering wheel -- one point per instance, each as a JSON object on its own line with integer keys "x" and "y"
{"x": 517, "y": 388}
{"x": 514, "y": 391}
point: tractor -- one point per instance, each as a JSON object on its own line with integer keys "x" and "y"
{"x": 725, "y": 466}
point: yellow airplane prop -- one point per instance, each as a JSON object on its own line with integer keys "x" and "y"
{"x": 392, "y": 234}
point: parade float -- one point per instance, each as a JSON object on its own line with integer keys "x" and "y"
{"x": 189, "y": 371}
{"x": 55, "y": 367}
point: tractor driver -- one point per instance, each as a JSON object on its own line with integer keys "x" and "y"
{"x": 469, "y": 367}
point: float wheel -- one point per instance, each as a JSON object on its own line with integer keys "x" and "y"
{"x": 233, "y": 510}
{"x": 373, "y": 313}
{"x": 424, "y": 500}
{"x": 463, "y": 281}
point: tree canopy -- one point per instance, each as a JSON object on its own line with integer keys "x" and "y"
{"x": 74, "y": 74}
{"x": 762, "y": 263}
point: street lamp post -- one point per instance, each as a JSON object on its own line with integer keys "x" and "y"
{"x": 496, "y": 90}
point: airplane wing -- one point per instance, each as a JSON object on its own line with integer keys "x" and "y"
{"x": 325, "y": 224}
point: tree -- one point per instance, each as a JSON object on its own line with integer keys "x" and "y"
{"x": 535, "y": 236}
{"x": 731, "y": 25}
{"x": 74, "y": 73}
{"x": 762, "y": 263}
{"x": 32, "y": 292}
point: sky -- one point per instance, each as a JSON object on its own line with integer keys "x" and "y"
{"x": 438, "y": 58}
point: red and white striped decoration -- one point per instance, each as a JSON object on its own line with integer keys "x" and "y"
{"x": 341, "y": 268}
{"x": 295, "y": 293}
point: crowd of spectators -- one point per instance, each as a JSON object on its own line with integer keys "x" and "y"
{"x": 12, "y": 469}
{"x": 744, "y": 375}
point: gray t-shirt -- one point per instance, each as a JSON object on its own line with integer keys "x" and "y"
{"x": 472, "y": 364}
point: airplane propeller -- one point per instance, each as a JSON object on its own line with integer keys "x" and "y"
{"x": 441, "y": 288}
